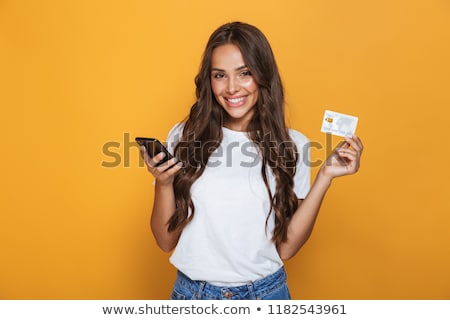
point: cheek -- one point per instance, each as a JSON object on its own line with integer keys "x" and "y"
{"x": 250, "y": 85}
{"x": 216, "y": 88}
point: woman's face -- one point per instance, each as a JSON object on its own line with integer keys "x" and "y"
{"x": 233, "y": 86}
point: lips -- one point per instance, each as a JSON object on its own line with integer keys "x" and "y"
{"x": 235, "y": 101}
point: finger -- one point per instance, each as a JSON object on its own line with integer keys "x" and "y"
{"x": 143, "y": 151}
{"x": 351, "y": 157}
{"x": 175, "y": 169}
{"x": 168, "y": 171}
{"x": 146, "y": 158}
{"x": 334, "y": 158}
{"x": 342, "y": 161}
{"x": 359, "y": 142}
{"x": 166, "y": 164}
{"x": 348, "y": 155}
{"x": 347, "y": 152}
{"x": 354, "y": 142}
{"x": 342, "y": 144}
{"x": 160, "y": 156}
{"x": 145, "y": 155}
{"x": 151, "y": 162}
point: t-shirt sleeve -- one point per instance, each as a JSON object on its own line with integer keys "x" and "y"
{"x": 174, "y": 137}
{"x": 302, "y": 178}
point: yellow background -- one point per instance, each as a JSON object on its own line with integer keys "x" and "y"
{"x": 80, "y": 76}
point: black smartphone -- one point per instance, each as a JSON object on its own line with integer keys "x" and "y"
{"x": 154, "y": 146}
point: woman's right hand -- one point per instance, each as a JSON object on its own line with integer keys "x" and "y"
{"x": 163, "y": 173}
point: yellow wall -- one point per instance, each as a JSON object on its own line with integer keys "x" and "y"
{"x": 78, "y": 76}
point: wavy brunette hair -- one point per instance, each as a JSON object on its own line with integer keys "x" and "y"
{"x": 267, "y": 128}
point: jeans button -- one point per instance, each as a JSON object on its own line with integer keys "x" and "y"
{"x": 228, "y": 294}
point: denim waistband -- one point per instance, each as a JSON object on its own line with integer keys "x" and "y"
{"x": 251, "y": 290}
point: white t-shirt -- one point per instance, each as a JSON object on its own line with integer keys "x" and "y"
{"x": 227, "y": 242}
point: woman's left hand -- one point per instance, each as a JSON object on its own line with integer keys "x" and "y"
{"x": 345, "y": 159}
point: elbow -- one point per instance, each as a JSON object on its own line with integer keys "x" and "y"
{"x": 287, "y": 251}
{"x": 165, "y": 247}
{"x": 165, "y": 240}
{"x": 286, "y": 255}
{"x": 165, "y": 244}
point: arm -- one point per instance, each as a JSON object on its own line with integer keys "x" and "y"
{"x": 343, "y": 161}
{"x": 164, "y": 202}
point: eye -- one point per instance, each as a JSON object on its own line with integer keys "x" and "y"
{"x": 245, "y": 73}
{"x": 218, "y": 75}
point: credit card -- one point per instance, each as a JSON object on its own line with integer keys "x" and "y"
{"x": 339, "y": 124}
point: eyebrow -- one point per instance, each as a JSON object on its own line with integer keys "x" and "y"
{"x": 222, "y": 70}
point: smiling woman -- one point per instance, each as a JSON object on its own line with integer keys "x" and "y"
{"x": 232, "y": 225}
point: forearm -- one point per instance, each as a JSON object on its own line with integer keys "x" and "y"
{"x": 163, "y": 209}
{"x": 303, "y": 220}
{"x": 343, "y": 161}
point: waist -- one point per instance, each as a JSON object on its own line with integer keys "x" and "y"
{"x": 257, "y": 287}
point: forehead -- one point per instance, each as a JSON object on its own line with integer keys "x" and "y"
{"x": 227, "y": 57}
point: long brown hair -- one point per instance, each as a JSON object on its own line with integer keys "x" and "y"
{"x": 267, "y": 128}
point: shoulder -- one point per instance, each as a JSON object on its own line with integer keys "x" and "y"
{"x": 299, "y": 138}
{"x": 174, "y": 135}
{"x": 176, "y": 131}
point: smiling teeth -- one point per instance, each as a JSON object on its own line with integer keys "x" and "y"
{"x": 236, "y": 100}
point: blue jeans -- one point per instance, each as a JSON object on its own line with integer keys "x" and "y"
{"x": 272, "y": 287}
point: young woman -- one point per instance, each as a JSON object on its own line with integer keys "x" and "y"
{"x": 243, "y": 202}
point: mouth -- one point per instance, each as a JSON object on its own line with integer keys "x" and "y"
{"x": 235, "y": 101}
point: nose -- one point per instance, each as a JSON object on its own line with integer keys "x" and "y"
{"x": 232, "y": 86}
